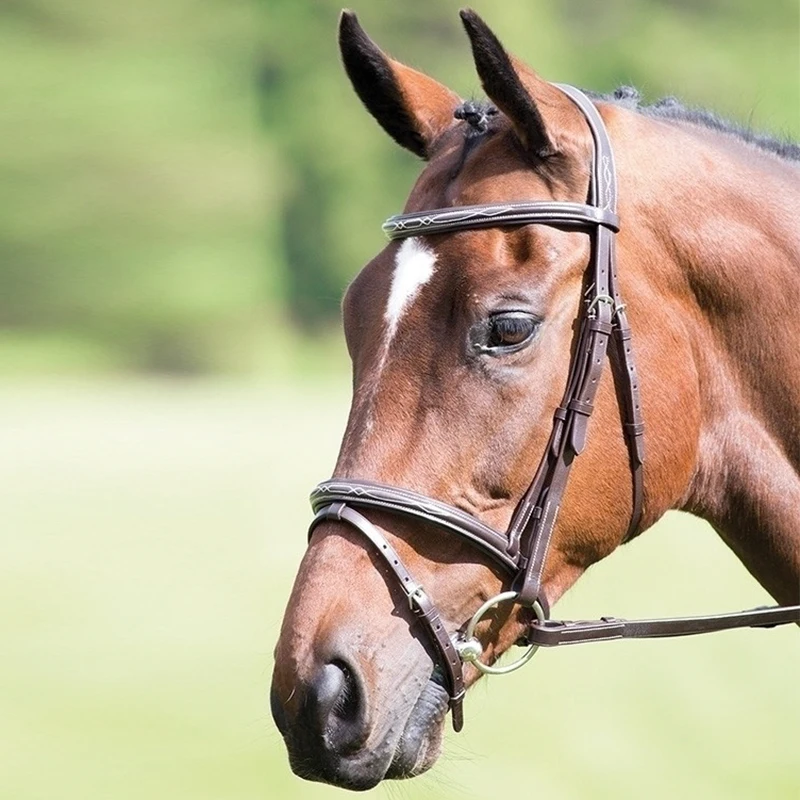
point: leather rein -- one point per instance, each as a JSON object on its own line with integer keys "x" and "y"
{"x": 522, "y": 551}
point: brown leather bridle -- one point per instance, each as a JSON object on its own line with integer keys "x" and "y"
{"x": 522, "y": 551}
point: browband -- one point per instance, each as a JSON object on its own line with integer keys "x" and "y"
{"x": 494, "y": 215}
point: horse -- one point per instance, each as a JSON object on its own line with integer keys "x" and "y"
{"x": 463, "y": 333}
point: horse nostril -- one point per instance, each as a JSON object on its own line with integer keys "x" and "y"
{"x": 339, "y": 707}
{"x": 330, "y": 683}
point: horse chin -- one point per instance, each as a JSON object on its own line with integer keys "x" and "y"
{"x": 421, "y": 741}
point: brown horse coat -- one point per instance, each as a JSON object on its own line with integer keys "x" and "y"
{"x": 708, "y": 257}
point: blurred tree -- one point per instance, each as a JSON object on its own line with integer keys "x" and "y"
{"x": 182, "y": 177}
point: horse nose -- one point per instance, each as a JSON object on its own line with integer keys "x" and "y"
{"x": 336, "y": 702}
{"x": 323, "y": 721}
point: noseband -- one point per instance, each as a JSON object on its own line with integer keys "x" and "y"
{"x": 521, "y": 552}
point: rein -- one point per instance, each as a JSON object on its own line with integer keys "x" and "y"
{"x": 522, "y": 551}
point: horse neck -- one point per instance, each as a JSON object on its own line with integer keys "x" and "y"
{"x": 721, "y": 219}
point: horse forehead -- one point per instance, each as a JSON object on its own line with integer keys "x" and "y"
{"x": 468, "y": 169}
{"x": 424, "y": 270}
{"x": 414, "y": 265}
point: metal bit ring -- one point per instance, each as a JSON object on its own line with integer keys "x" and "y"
{"x": 470, "y": 649}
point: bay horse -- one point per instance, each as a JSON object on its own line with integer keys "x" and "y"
{"x": 463, "y": 332}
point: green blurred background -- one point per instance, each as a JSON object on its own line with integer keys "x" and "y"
{"x": 187, "y": 186}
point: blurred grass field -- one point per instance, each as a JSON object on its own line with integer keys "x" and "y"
{"x": 182, "y": 183}
{"x": 149, "y": 534}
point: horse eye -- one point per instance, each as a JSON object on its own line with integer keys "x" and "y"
{"x": 510, "y": 330}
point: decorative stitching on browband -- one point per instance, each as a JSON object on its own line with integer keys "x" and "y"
{"x": 498, "y": 214}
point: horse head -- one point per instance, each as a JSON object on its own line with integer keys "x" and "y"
{"x": 461, "y": 344}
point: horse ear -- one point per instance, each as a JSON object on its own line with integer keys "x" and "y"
{"x": 411, "y": 107}
{"x": 511, "y": 85}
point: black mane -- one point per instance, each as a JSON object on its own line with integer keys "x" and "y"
{"x": 478, "y": 116}
{"x": 672, "y": 108}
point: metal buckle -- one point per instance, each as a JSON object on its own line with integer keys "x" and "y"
{"x": 414, "y": 596}
{"x": 470, "y": 649}
{"x": 601, "y": 298}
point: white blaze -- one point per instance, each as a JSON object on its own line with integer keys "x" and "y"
{"x": 413, "y": 268}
